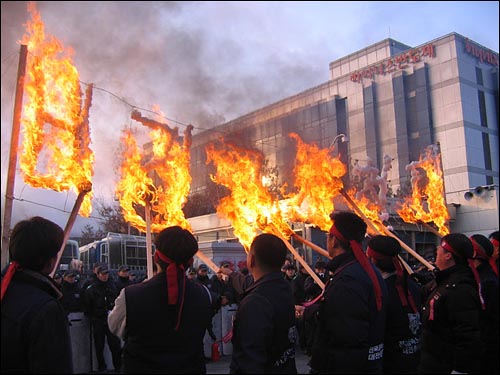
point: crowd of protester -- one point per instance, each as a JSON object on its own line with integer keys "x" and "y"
{"x": 369, "y": 316}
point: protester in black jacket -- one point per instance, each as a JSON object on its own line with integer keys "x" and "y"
{"x": 488, "y": 319}
{"x": 352, "y": 313}
{"x": 35, "y": 328}
{"x": 163, "y": 319}
{"x": 403, "y": 323}
{"x": 264, "y": 331}
{"x": 451, "y": 331}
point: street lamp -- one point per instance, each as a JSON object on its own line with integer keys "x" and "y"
{"x": 342, "y": 137}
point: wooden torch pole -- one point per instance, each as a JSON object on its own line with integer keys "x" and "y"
{"x": 14, "y": 141}
{"x": 205, "y": 259}
{"x": 386, "y": 232}
{"x": 301, "y": 260}
{"x": 313, "y": 246}
{"x": 69, "y": 224}
{"x": 149, "y": 244}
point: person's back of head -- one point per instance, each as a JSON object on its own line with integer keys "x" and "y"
{"x": 269, "y": 252}
{"x": 348, "y": 227}
{"x": 483, "y": 248}
{"x": 383, "y": 249}
{"x": 175, "y": 247}
{"x": 177, "y": 244}
{"x": 34, "y": 242}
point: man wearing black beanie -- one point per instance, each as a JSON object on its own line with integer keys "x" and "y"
{"x": 451, "y": 334}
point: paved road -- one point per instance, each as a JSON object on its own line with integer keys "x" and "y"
{"x": 222, "y": 366}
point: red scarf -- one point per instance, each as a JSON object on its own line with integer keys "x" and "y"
{"x": 13, "y": 267}
{"x": 172, "y": 273}
{"x": 401, "y": 286}
{"x": 365, "y": 263}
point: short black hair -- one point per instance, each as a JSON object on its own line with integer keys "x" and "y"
{"x": 34, "y": 242}
{"x": 269, "y": 251}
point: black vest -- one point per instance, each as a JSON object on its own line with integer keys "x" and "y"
{"x": 151, "y": 344}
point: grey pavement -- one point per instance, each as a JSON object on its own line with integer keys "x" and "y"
{"x": 222, "y": 366}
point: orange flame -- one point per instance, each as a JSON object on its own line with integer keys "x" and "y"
{"x": 250, "y": 206}
{"x": 163, "y": 180}
{"x": 317, "y": 177}
{"x": 427, "y": 203}
{"x": 369, "y": 208}
{"x": 56, "y": 150}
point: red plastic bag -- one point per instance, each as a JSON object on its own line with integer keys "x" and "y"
{"x": 215, "y": 352}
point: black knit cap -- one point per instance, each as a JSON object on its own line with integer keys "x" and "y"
{"x": 461, "y": 245}
{"x": 484, "y": 242}
{"x": 176, "y": 243}
{"x": 385, "y": 245}
{"x": 350, "y": 225}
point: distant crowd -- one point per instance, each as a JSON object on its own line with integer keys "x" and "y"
{"x": 362, "y": 311}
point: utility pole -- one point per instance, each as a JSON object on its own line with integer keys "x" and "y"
{"x": 14, "y": 142}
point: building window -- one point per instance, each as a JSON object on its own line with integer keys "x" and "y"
{"x": 479, "y": 76}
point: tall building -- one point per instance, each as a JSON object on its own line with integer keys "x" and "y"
{"x": 390, "y": 99}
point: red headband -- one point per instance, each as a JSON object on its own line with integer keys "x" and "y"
{"x": 363, "y": 261}
{"x": 481, "y": 254}
{"x": 13, "y": 267}
{"x": 403, "y": 292}
{"x": 172, "y": 273}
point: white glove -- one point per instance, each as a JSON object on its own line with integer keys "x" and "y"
{"x": 458, "y": 372}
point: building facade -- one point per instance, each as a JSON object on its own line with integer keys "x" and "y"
{"x": 390, "y": 99}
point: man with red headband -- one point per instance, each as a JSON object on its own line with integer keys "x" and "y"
{"x": 451, "y": 334}
{"x": 489, "y": 317}
{"x": 402, "y": 332}
{"x": 35, "y": 327}
{"x": 352, "y": 313}
{"x": 167, "y": 315}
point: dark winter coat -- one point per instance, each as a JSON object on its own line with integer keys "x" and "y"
{"x": 451, "y": 333}
{"x": 151, "y": 343}
{"x": 350, "y": 332}
{"x": 403, "y": 330}
{"x": 122, "y": 282}
{"x": 264, "y": 329}
{"x": 100, "y": 299}
{"x": 488, "y": 319}
{"x": 72, "y": 299}
{"x": 35, "y": 328}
